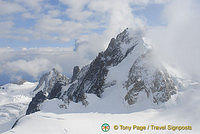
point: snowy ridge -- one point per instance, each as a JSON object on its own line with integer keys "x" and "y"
{"x": 126, "y": 72}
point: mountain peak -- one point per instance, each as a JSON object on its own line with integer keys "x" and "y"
{"x": 126, "y": 54}
{"x": 53, "y": 70}
{"x": 122, "y": 45}
{"x": 127, "y": 38}
{"x": 49, "y": 87}
{"x": 48, "y": 80}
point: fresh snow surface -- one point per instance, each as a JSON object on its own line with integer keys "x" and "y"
{"x": 14, "y": 100}
{"x": 181, "y": 110}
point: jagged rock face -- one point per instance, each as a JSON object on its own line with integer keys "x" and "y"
{"x": 48, "y": 80}
{"x": 76, "y": 70}
{"x": 34, "y": 104}
{"x": 93, "y": 79}
{"x": 120, "y": 47}
{"x": 49, "y": 87}
{"x": 146, "y": 75}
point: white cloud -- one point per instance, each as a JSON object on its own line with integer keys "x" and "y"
{"x": 61, "y": 25}
{"x": 80, "y": 17}
{"x": 9, "y": 7}
{"x": 84, "y": 17}
{"x": 119, "y": 16}
{"x": 33, "y": 4}
{"x": 35, "y": 61}
{"x": 80, "y": 20}
{"x": 62, "y": 31}
{"x": 5, "y": 54}
{"x": 33, "y": 67}
{"x": 28, "y": 15}
{"x": 178, "y": 42}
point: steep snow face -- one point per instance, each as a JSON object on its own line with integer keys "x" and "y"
{"x": 14, "y": 100}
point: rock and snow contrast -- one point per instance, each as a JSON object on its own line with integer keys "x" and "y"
{"x": 124, "y": 84}
{"x": 49, "y": 87}
{"x": 124, "y": 71}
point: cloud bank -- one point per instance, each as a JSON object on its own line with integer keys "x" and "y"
{"x": 85, "y": 28}
{"x": 178, "y": 42}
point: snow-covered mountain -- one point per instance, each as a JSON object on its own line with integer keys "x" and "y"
{"x": 124, "y": 71}
{"x": 14, "y": 99}
{"x": 127, "y": 79}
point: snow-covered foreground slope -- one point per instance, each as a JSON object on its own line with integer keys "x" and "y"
{"x": 182, "y": 110}
{"x": 14, "y": 100}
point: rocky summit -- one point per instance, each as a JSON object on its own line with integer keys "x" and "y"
{"x": 49, "y": 87}
{"x": 143, "y": 73}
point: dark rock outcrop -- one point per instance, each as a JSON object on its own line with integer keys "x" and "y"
{"x": 93, "y": 79}
{"x": 76, "y": 70}
{"x": 34, "y": 104}
{"x": 49, "y": 87}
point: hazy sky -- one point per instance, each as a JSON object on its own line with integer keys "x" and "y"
{"x": 36, "y": 35}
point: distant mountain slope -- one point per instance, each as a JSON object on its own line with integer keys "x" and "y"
{"x": 14, "y": 100}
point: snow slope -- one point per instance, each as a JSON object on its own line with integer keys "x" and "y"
{"x": 181, "y": 110}
{"x": 14, "y": 100}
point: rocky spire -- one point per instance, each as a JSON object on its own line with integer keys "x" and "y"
{"x": 49, "y": 79}
{"x": 49, "y": 87}
{"x": 93, "y": 79}
{"x": 76, "y": 70}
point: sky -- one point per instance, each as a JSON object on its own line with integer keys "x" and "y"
{"x": 38, "y": 35}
